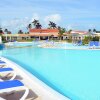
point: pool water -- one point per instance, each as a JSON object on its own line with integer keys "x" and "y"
{"x": 73, "y": 73}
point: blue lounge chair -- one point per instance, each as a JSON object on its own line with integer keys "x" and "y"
{"x": 96, "y": 43}
{"x": 7, "y": 71}
{"x": 11, "y": 85}
{"x": 2, "y": 63}
{"x": 91, "y": 44}
{"x": 79, "y": 43}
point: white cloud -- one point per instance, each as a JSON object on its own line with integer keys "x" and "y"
{"x": 91, "y": 26}
{"x": 15, "y": 24}
{"x": 54, "y": 17}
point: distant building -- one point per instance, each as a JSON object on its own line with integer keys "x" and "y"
{"x": 33, "y": 33}
{"x": 97, "y": 33}
{"x": 43, "y": 33}
{"x": 79, "y": 32}
{"x": 75, "y": 34}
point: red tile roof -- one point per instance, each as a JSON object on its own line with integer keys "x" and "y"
{"x": 79, "y": 32}
{"x": 43, "y": 30}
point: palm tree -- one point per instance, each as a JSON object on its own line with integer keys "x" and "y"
{"x": 89, "y": 30}
{"x": 59, "y": 27}
{"x": 52, "y": 25}
{"x": 6, "y": 31}
{"x": 69, "y": 32}
{"x": 89, "y": 34}
{"x": 1, "y": 31}
{"x": 94, "y": 30}
{"x": 35, "y": 22}
{"x": 38, "y": 26}
{"x": 61, "y": 32}
{"x": 20, "y": 32}
{"x": 29, "y": 26}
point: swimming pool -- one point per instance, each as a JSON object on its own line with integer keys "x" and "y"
{"x": 73, "y": 73}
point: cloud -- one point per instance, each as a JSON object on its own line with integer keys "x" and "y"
{"x": 54, "y": 17}
{"x": 15, "y": 24}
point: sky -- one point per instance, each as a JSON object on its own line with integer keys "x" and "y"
{"x": 71, "y": 14}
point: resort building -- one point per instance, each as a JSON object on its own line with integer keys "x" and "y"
{"x": 12, "y": 37}
{"x": 97, "y": 33}
{"x": 75, "y": 35}
{"x": 79, "y": 34}
{"x": 33, "y": 33}
{"x": 43, "y": 33}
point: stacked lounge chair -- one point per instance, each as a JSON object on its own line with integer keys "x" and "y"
{"x": 7, "y": 71}
{"x": 79, "y": 43}
{"x": 11, "y": 85}
{"x": 2, "y": 63}
{"x": 94, "y": 44}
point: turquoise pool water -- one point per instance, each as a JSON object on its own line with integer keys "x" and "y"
{"x": 73, "y": 73}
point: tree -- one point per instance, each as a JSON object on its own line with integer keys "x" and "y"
{"x": 69, "y": 32}
{"x": 1, "y": 31}
{"x": 59, "y": 27}
{"x": 89, "y": 30}
{"x": 38, "y": 26}
{"x": 20, "y": 32}
{"x": 52, "y": 25}
{"x": 6, "y": 31}
{"x": 29, "y": 26}
{"x": 35, "y": 22}
{"x": 61, "y": 32}
{"x": 94, "y": 30}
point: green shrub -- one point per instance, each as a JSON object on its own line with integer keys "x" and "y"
{"x": 86, "y": 40}
{"x": 96, "y": 38}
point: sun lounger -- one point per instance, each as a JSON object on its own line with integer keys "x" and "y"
{"x": 96, "y": 43}
{"x": 2, "y": 63}
{"x": 7, "y": 71}
{"x": 91, "y": 44}
{"x": 79, "y": 43}
{"x": 13, "y": 85}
